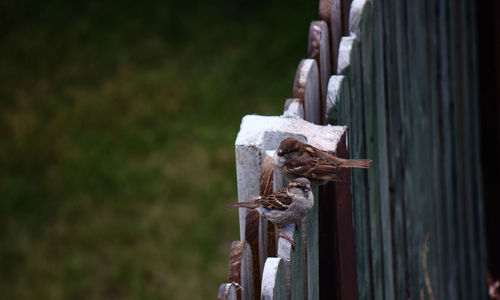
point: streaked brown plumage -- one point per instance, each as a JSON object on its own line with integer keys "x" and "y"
{"x": 286, "y": 206}
{"x": 297, "y": 159}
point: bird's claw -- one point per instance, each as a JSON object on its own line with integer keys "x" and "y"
{"x": 286, "y": 237}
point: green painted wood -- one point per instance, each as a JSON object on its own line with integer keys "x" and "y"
{"x": 312, "y": 250}
{"x": 438, "y": 235}
{"x": 369, "y": 119}
{"x": 472, "y": 106}
{"x": 296, "y": 267}
{"x": 382, "y": 147}
{"x": 412, "y": 106}
{"x": 395, "y": 91}
{"x": 354, "y": 107}
{"x": 449, "y": 269}
{"x": 417, "y": 129}
{"x": 456, "y": 204}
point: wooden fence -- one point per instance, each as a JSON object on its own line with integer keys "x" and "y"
{"x": 411, "y": 227}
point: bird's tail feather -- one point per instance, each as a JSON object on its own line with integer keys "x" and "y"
{"x": 356, "y": 163}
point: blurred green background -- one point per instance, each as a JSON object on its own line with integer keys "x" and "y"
{"x": 117, "y": 129}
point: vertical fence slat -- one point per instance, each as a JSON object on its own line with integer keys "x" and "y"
{"x": 252, "y": 238}
{"x": 336, "y": 31}
{"x": 324, "y": 10}
{"x": 312, "y": 250}
{"x": 241, "y": 268}
{"x": 273, "y": 279}
{"x": 227, "y": 291}
{"x": 383, "y": 156}
{"x": 364, "y": 29}
{"x": 266, "y": 188}
{"x": 318, "y": 48}
{"x": 350, "y": 66}
{"x": 294, "y": 107}
{"x": 306, "y": 87}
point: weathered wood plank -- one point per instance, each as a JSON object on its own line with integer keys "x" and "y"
{"x": 336, "y": 235}
{"x": 324, "y": 9}
{"x": 395, "y": 91}
{"x": 418, "y": 151}
{"x": 345, "y": 7}
{"x": 294, "y": 108}
{"x": 471, "y": 62}
{"x": 437, "y": 236}
{"x": 336, "y": 30}
{"x": 350, "y": 66}
{"x": 345, "y": 51}
{"x": 468, "y": 117}
{"x": 333, "y": 107}
{"x": 241, "y": 269}
{"x": 361, "y": 26}
{"x": 383, "y": 164}
{"x": 318, "y": 48}
{"x": 227, "y": 291}
{"x": 455, "y": 286}
{"x": 312, "y": 250}
{"x": 306, "y": 87}
{"x": 292, "y": 259}
{"x": 266, "y": 188}
{"x": 412, "y": 108}
{"x": 273, "y": 279}
{"x": 252, "y": 238}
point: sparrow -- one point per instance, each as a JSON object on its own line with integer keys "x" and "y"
{"x": 296, "y": 159}
{"x": 288, "y": 205}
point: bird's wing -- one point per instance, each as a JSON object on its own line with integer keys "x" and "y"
{"x": 312, "y": 167}
{"x": 276, "y": 201}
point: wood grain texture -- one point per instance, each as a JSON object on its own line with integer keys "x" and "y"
{"x": 266, "y": 188}
{"x": 306, "y": 87}
{"x": 252, "y": 238}
{"x": 336, "y": 30}
{"x": 241, "y": 269}
{"x": 412, "y": 108}
{"x": 318, "y": 48}
{"x": 336, "y": 235}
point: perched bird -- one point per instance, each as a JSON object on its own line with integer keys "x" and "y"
{"x": 286, "y": 206}
{"x": 296, "y": 159}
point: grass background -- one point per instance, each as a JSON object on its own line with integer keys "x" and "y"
{"x": 117, "y": 129}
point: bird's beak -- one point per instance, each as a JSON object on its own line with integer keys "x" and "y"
{"x": 308, "y": 188}
{"x": 279, "y": 152}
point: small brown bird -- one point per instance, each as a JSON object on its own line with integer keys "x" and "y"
{"x": 286, "y": 206}
{"x": 296, "y": 159}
